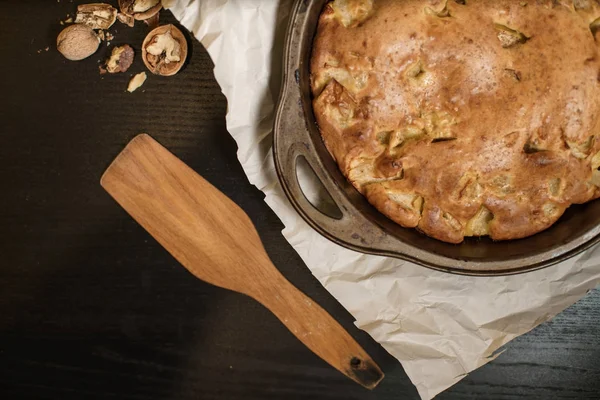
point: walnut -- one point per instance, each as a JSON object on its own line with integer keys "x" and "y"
{"x": 164, "y": 50}
{"x": 96, "y": 15}
{"x": 77, "y": 42}
{"x": 137, "y": 81}
{"x": 120, "y": 59}
{"x": 140, "y": 9}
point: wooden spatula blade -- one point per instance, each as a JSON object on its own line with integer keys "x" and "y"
{"x": 216, "y": 241}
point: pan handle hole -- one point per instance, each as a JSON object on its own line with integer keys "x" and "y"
{"x": 314, "y": 190}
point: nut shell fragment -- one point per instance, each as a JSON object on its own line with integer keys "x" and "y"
{"x": 77, "y": 42}
{"x": 126, "y": 19}
{"x": 96, "y": 15}
{"x": 140, "y": 9}
{"x": 164, "y": 50}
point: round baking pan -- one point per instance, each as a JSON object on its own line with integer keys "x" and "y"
{"x": 360, "y": 226}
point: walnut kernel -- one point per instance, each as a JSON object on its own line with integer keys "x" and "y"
{"x": 120, "y": 59}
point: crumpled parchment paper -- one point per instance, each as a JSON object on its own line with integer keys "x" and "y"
{"x": 439, "y": 326}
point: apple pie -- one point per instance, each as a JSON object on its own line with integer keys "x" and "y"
{"x": 462, "y": 117}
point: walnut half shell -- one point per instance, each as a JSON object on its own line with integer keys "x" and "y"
{"x": 164, "y": 50}
{"x": 140, "y": 9}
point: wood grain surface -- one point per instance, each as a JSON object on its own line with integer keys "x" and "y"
{"x": 92, "y": 307}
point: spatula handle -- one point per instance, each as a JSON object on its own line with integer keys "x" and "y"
{"x": 314, "y": 327}
{"x": 216, "y": 241}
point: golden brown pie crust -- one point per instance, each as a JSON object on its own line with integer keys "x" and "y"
{"x": 459, "y": 119}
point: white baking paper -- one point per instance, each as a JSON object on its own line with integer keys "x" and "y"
{"x": 439, "y": 326}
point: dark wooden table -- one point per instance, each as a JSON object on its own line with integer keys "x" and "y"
{"x": 91, "y": 307}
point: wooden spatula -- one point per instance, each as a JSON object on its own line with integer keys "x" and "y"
{"x": 216, "y": 241}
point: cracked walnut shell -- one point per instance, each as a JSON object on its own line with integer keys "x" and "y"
{"x": 140, "y": 9}
{"x": 96, "y": 15}
{"x": 164, "y": 50}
